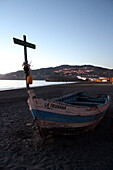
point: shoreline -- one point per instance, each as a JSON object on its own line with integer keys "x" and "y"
{"x": 63, "y": 83}
{"x": 20, "y": 84}
{"x": 71, "y": 83}
{"x": 19, "y": 142}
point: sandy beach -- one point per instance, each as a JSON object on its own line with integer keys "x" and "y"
{"x": 20, "y": 148}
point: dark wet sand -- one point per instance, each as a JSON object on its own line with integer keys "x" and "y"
{"x": 22, "y": 149}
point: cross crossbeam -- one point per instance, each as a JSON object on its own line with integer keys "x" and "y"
{"x": 24, "y": 43}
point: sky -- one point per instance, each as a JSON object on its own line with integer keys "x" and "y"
{"x": 74, "y": 32}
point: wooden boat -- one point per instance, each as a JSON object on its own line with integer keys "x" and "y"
{"x": 68, "y": 115}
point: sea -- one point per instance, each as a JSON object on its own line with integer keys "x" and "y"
{"x": 18, "y": 84}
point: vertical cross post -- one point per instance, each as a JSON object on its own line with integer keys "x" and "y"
{"x": 25, "y": 49}
{"x": 25, "y": 44}
{"x": 25, "y": 56}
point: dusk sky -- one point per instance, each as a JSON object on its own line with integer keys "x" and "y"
{"x": 73, "y": 32}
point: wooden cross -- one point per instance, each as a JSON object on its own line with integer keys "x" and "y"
{"x": 25, "y": 44}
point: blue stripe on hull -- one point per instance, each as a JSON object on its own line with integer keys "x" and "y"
{"x": 54, "y": 117}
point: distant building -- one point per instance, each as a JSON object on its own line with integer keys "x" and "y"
{"x": 102, "y": 79}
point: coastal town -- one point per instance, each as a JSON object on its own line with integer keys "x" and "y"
{"x": 65, "y": 73}
{"x": 87, "y": 72}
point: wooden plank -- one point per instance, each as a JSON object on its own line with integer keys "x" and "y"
{"x": 23, "y": 43}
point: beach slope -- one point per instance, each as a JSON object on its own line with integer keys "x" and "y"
{"x": 19, "y": 144}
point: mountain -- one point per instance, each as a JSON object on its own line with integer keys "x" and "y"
{"x": 63, "y": 72}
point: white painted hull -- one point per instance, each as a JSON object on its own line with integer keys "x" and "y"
{"x": 62, "y": 117}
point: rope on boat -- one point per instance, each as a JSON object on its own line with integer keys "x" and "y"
{"x": 98, "y": 109}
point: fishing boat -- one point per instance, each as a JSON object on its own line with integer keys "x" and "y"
{"x": 68, "y": 115}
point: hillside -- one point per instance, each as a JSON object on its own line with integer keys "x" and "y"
{"x": 63, "y": 72}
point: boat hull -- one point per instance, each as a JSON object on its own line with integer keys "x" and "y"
{"x": 65, "y": 119}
